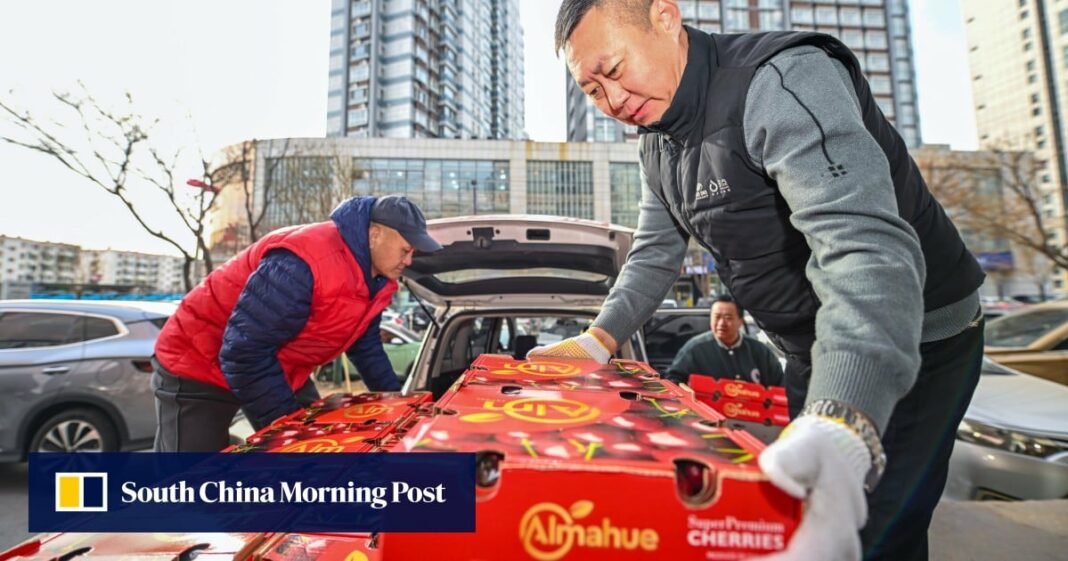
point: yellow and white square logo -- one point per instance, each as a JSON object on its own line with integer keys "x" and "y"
{"x": 81, "y": 492}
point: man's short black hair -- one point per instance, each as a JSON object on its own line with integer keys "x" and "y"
{"x": 727, "y": 299}
{"x": 572, "y": 11}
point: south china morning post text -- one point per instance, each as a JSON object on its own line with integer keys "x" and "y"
{"x": 210, "y": 492}
{"x": 256, "y": 492}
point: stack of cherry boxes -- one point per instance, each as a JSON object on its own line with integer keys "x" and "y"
{"x": 744, "y": 401}
{"x": 581, "y": 460}
{"x": 202, "y": 547}
{"x": 575, "y": 460}
{"x": 368, "y": 422}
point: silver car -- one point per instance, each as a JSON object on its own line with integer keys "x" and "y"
{"x": 1013, "y": 442}
{"x": 74, "y": 375}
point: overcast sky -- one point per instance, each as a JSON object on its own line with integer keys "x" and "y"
{"x": 217, "y": 72}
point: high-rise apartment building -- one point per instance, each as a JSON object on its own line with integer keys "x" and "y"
{"x": 24, "y": 260}
{"x": 127, "y": 268}
{"x": 32, "y": 262}
{"x": 1018, "y": 58}
{"x": 876, "y": 30}
{"x": 425, "y": 69}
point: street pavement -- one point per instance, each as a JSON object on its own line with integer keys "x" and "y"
{"x": 961, "y": 531}
{"x": 13, "y": 515}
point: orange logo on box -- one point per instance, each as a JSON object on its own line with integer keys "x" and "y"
{"x": 739, "y": 410}
{"x": 739, "y": 390}
{"x": 314, "y": 445}
{"x": 548, "y": 532}
{"x": 543, "y": 410}
{"x": 547, "y": 410}
{"x": 365, "y": 410}
{"x": 541, "y": 369}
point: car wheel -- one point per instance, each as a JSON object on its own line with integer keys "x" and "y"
{"x": 77, "y": 430}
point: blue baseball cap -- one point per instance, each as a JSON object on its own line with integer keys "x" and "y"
{"x": 402, "y": 215}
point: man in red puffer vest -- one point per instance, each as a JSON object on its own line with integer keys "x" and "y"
{"x": 250, "y": 335}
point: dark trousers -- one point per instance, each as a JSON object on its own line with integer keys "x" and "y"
{"x": 918, "y": 442}
{"x": 192, "y": 416}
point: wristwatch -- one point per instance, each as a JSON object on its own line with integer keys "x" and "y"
{"x": 859, "y": 423}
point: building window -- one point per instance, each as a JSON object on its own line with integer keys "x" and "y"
{"x": 849, "y": 16}
{"x": 874, "y": 18}
{"x": 853, "y": 38}
{"x": 1026, "y": 34}
{"x": 626, "y": 186}
{"x": 880, "y": 85}
{"x": 802, "y": 15}
{"x": 1062, "y": 18}
{"x": 687, "y": 10}
{"x": 360, "y": 52}
{"x": 560, "y": 188}
{"x": 878, "y": 62}
{"x": 708, "y": 10}
{"x": 357, "y": 117}
{"x": 770, "y": 20}
{"x": 737, "y": 20}
{"x": 875, "y": 39}
{"x": 826, "y": 15}
{"x": 441, "y": 188}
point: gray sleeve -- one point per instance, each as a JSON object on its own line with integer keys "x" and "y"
{"x": 803, "y": 124}
{"x": 652, "y": 267}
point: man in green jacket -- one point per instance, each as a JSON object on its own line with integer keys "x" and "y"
{"x": 725, "y": 352}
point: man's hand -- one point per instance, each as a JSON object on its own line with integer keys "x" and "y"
{"x": 586, "y": 346}
{"x": 824, "y": 463}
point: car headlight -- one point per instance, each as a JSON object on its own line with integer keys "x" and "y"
{"x": 1011, "y": 441}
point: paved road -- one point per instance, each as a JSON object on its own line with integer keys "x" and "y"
{"x": 13, "y": 516}
{"x": 971, "y": 531}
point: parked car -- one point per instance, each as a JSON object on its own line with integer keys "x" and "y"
{"x": 1032, "y": 340}
{"x": 74, "y": 375}
{"x": 507, "y": 283}
{"x": 401, "y": 345}
{"x": 667, "y": 331}
{"x": 1013, "y": 442}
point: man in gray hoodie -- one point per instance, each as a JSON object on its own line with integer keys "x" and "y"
{"x": 770, "y": 151}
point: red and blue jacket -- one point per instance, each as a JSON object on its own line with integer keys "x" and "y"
{"x": 297, "y": 298}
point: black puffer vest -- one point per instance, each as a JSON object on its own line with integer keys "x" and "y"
{"x": 744, "y": 223}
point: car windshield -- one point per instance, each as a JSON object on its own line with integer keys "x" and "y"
{"x": 466, "y": 275}
{"x": 1024, "y": 328}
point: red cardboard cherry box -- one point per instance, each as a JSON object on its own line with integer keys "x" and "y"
{"x": 340, "y": 423}
{"x": 598, "y": 474}
{"x": 570, "y": 375}
{"x": 746, "y": 401}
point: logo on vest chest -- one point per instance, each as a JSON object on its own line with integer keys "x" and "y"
{"x": 714, "y": 189}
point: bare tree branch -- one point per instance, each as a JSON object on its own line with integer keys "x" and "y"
{"x": 115, "y": 143}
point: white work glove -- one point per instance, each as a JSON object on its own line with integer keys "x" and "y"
{"x": 584, "y": 346}
{"x": 824, "y": 463}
